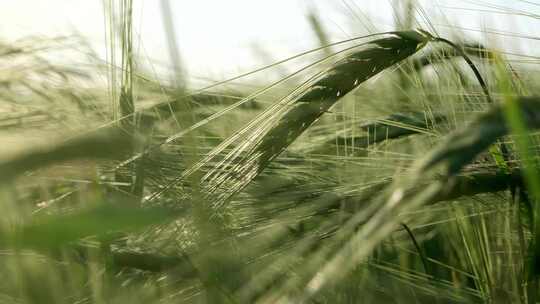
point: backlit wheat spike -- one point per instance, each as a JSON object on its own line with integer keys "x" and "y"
{"x": 276, "y": 129}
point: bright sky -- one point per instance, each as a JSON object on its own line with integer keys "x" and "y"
{"x": 217, "y": 37}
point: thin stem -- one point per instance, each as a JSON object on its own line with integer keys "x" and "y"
{"x": 418, "y": 248}
{"x": 471, "y": 65}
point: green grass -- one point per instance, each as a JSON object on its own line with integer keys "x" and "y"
{"x": 395, "y": 167}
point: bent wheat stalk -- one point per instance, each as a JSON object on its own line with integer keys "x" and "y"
{"x": 277, "y": 128}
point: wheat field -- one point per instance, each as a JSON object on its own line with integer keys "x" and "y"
{"x": 393, "y": 166}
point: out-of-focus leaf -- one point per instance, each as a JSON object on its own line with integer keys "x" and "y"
{"x": 102, "y": 144}
{"x": 56, "y": 231}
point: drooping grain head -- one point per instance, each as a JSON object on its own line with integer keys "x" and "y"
{"x": 300, "y": 110}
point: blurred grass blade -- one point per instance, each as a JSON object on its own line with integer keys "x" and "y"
{"x": 516, "y": 120}
{"x": 319, "y": 30}
{"x": 55, "y": 231}
{"x": 172, "y": 44}
{"x": 102, "y": 144}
